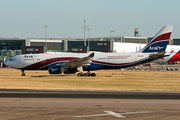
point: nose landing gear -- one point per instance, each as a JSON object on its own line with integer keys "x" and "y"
{"x": 23, "y": 74}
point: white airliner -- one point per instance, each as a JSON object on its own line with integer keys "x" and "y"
{"x": 68, "y": 63}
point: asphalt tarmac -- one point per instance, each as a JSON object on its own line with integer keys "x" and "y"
{"x": 43, "y": 105}
{"x": 22, "y": 93}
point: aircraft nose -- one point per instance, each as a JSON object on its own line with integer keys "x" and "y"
{"x": 5, "y": 64}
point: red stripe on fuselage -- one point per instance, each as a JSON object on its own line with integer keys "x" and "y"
{"x": 118, "y": 64}
{"x": 44, "y": 63}
{"x": 115, "y": 64}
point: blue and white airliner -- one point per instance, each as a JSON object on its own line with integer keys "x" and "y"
{"x": 68, "y": 63}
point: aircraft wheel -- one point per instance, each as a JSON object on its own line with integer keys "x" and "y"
{"x": 93, "y": 75}
{"x": 89, "y": 74}
{"x": 23, "y": 74}
{"x": 79, "y": 74}
{"x": 85, "y": 74}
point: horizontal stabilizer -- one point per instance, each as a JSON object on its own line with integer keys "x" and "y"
{"x": 157, "y": 55}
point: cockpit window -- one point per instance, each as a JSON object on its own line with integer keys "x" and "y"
{"x": 12, "y": 59}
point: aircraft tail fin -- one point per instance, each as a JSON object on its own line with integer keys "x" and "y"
{"x": 159, "y": 41}
{"x": 175, "y": 57}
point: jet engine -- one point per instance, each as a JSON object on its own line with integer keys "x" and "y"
{"x": 54, "y": 69}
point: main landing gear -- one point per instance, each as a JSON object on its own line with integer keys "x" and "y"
{"x": 88, "y": 74}
{"x": 80, "y": 69}
{"x": 23, "y": 74}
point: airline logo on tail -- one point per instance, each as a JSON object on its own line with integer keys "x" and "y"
{"x": 159, "y": 42}
{"x": 155, "y": 48}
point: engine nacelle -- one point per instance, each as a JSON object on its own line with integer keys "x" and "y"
{"x": 54, "y": 69}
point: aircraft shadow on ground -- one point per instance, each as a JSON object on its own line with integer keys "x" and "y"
{"x": 56, "y": 76}
{"x": 49, "y": 76}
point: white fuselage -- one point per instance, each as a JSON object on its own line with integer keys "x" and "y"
{"x": 101, "y": 60}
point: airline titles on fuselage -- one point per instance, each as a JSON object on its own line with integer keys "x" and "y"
{"x": 117, "y": 57}
{"x": 28, "y": 56}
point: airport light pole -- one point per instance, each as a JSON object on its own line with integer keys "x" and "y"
{"x": 45, "y": 36}
{"x": 85, "y": 32}
{"x": 88, "y": 39}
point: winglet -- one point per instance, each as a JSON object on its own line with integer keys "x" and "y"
{"x": 91, "y": 55}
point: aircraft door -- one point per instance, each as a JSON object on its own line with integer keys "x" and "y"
{"x": 94, "y": 58}
{"x": 18, "y": 61}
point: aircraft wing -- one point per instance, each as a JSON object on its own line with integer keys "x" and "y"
{"x": 79, "y": 62}
{"x": 157, "y": 55}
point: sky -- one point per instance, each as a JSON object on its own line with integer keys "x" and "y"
{"x": 65, "y": 18}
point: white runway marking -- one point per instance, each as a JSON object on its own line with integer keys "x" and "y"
{"x": 92, "y": 115}
{"x": 114, "y": 114}
{"x": 118, "y": 115}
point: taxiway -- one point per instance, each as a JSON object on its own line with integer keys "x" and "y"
{"x": 46, "y": 107}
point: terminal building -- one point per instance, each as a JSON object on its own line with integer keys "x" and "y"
{"x": 18, "y": 43}
{"x": 14, "y": 46}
